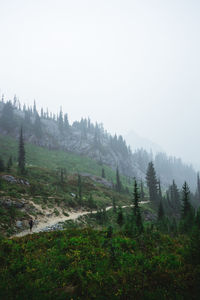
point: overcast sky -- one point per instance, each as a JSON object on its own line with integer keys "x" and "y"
{"x": 129, "y": 64}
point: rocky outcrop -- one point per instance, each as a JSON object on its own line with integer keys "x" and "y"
{"x": 12, "y": 179}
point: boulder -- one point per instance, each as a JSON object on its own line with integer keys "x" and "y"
{"x": 19, "y": 224}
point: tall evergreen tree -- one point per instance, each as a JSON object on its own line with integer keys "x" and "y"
{"x": 136, "y": 208}
{"x": 21, "y": 153}
{"x": 34, "y": 108}
{"x": 2, "y": 166}
{"x": 160, "y": 211}
{"x": 9, "y": 164}
{"x": 103, "y": 173}
{"x": 79, "y": 188}
{"x": 60, "y": 120}
{"x": 186, "y": 208}
{"x": 159, "y": 191}
{"x": 114, "y": 204}
{"x": 198, "y": 187}
{"x": 142, "y": 194}
{"x": 120, "y": 217}
{"x": 118, "y": 181}
{"x": 175, "y": 197}
{"x": 66, "y": 122}
{"x": 37, "y": 126}
{"x": 152, "y": 183}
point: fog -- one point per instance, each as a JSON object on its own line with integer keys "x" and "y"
{"x": 132, "y": 65}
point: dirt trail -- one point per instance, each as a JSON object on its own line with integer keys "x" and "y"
{"x": 55, "y": 220}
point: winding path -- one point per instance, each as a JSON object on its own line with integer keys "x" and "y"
{"x": 55, "y": 220}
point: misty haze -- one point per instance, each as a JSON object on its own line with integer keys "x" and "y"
{"x": 99, "y": 149}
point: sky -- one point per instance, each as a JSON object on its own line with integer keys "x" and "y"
{"x": 129, "y": 64}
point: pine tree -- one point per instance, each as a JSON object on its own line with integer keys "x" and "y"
{"x": 159, "y": 191}
{"x": 186, "y": 208}
{"x": 136, "y": 208}
{"x": 42, "y": 113}
{"x": 60, "y": 120}
{"x": 21, "y": 153}
{"x": 34, "y": 108}
{"x": 120, "y": 217}
{"x": 160, "y": 212}
{"x": 79, "y": 188}
{"x": 9, "y": 164}
{"x": 103, "y": 173}
{"x": 2, "y": 166}
{"x": 91, "y": 203}
{"x": 37, "y": 126}
{"x": 175, "y": 197}
{"x": 66, "y": 122}
{"x": 198, "y": 187}
{"x": 118, "y": 181}
{"x": 152, "y": 183}
{"x": 114, "y": 204}
{"x": 142, "y": 194}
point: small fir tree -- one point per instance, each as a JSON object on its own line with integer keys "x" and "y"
{"x": 2, "y": 166}
{"x": 136, "y": 208}
{"x": 120, "y": 217}
{"x": 118, "y": 181}
{"x": 9, "y": 164}
{"x": 142, "y": 194}
{"x": 79, "y": 189}
{"x": 186, "y": 208}
{"x": 103, "y": 173}
{"x": 160, "y": 212}
{"x": 21, "y": 153}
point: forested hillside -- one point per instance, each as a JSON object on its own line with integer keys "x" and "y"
{"x": 85, "y": 138}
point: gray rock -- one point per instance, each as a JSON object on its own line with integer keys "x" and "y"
{"x": 19, "y": 224}
{"x": 12, "y": 179}
{"x": 9, "y": 178}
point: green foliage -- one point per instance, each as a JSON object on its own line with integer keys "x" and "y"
{"x": 88, "y": 264}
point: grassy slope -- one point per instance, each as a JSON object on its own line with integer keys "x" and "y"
{"x": 54, "y": 159}
{"x": 46, "y": 188}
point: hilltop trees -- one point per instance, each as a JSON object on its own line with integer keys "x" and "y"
{"x": 7, "y": 118}
{"x": 21, "y": 153}
{"x": 152, "y": 183}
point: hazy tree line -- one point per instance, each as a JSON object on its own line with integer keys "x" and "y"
{"x": 14, "y": 115}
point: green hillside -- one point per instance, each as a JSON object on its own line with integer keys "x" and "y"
{"x": 54, "y": 159}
